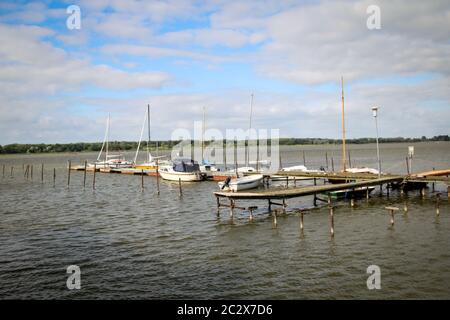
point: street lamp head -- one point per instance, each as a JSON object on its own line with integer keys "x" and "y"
{"x": 374, "y": 111}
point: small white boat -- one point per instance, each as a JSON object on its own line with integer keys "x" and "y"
{"x": 362, "y": 170}
{"x": 244, "y": 183}
{"x": 243, "y": 170}
{"x": 185, "y": 170}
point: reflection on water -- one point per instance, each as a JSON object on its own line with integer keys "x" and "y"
{"x": 133, "y": 244}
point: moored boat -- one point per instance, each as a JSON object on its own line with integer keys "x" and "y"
{"x": 244, "y": 183}
{"x": 186, "y": 170}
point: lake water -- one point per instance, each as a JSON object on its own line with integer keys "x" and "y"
{"x": 134, "y": 244}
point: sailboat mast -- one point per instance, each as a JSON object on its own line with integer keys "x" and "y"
{"x": 107, "y": 136}
{"x": 203, "y": 136}
{"x": 148, "y": 141}
{"x": 249, "y": 130}
{"x": 343, "y": 129}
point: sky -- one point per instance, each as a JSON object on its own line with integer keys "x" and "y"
{"x": 58, "y": 85}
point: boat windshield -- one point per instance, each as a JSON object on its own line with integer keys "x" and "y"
{"x": 185, "y": 165}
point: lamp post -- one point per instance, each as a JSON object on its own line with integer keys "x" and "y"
{"x": 375, "y": 115}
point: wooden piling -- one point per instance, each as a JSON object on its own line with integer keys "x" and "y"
{"x": 31, "y": 172}
{"x": 326, "y": 160}
{"x": 332, "y": 164}
{"x": 3, "y": 171}
{"x": 352, "y": 202}
{"x": 54, "y": 177}
{"x": 93, "y": 180}
{"x": 315, "y": 195}
{"x": 68, "y": 173}
{"x": 287, "y": 182}
{"x": 405, "y": 207}
{"x": 331, "y": 221}
{"x": 407, "y": 166}
{"x": 179, "y": 186}
{"x": 157, "y": 178}
{"x": 231, "y": 208}
{"x": 391, "y": 211}
{"x": 142, "y": 179}
{"x": 438, "y": 197}
{"x": 84, "y": 176}
{"x": 12, "y": 171}
{"x": 42, "y": 173}
{"x": 275, "y": 222}
{"x": 301, "y": 221}
{"x": 422, "y": 192}
{"x": 304, "y": 158}
{"x": 250, "y": 209}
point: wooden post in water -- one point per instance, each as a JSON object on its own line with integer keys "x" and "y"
{"x": 407, "y": 166}
{"x": 68, "y": 172}
{"x": 275, "y": 222}
{"x": 84, "y": 177}
{"x": 326, "y": 160}
{"x": 3, "y": 171}
{"x": 42, "y": 173}
{"x": 332, "y": 164}
{"x": 12, "y": 171}
{"x": 315, "y": 196}
{"x": 142, "y": 180}
{"x": 301, "y": 221}
{"x": 304, "y": 158}
{"x": 179, "y": 186}
{"x": 422, "y": 192}
{"x": 287, "y": 181}
{"x": 54, "y": 177}
{"x": 405, "y": 207}
{"x": 331, "y": 221}
{"x": 352, "y": 201}
{"x": 157, "y": 178}
{"x": 349, "y": 160}
{"x": 438, "y": 197}
{"x": 27, "y": 172}
{"x": 391, "y": 211}
{"x": 93, "y": 180}
{"x": 250, "y": 209}
{"x": 31, "y": 173}
{"x": 231, "y": 208}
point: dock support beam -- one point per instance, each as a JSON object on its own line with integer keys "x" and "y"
{"x": 331, "y": 221}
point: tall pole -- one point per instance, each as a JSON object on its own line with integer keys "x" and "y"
{"x": 148, "y": 141}
{"x": 203, "y": 137}
{"x": 375, "y": 115}
{"x": 249, "y": 129}
{"x": 343, "y": 128}
{"x": 107, "y": 137}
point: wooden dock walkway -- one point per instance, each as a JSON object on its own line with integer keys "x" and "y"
{"x": 286, "y": 193}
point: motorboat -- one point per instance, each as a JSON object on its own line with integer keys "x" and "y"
{"x": 182, "y": 169}
{"x": 244, "y": 183}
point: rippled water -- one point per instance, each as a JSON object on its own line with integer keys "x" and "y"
{"x": 133, "y": 244}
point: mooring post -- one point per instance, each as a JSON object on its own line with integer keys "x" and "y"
{"x": 287, "y": 181}
{"x": 250, "y": 209}
{"x": 329, "y": 199}
{"x": 422, "y": 192}
{"x": 387, "y": 190}
{"x": 301, "y": 221}
{"x": 42, "y": 173}
{"x": 68, "y": 172}
{"x": 270, "y": 205}
{"x": 142, "y": 179}
{"x": 407, "y": 166}
{"x": 367, "y": 193}
{"x": 84, "y": 177}
{"x": 326, "y": 159}
{"x": 315, "y": 195}
{"x": 179, "y": 187}
{"x": 12, "y": 171}
{"x": 93, "y": 180}
{"x": 438, "y": 197}
{"x": 284, "y": 206}
{"x": 31, "y": 173}
{"x": 391, "y": 211}
{"x": 352, "y": 201}
{"x": 231, "y": 208}
{"x": 157, "y": 180}
{"x": 332, "y": 164}
{"x": 3, "y": 171}
{"x": 381, "y": 190}
{"x": 405, "y": 207}
{"x": 295, "y": 182}
{"x": 274, "y": 213}
{"x": 331, "y": 221}
{"x": 218, "y": 206}
{"x": 54, "y": 177}
{"x": 304, "y": 158}
{"x": 25, "y": 175}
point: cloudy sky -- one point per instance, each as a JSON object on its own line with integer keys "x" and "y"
{"x": 58, "y": 85}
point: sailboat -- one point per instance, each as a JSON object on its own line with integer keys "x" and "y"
{"x": 206, "y": 167}
{"x": 110, "y": 161}
{"x": 152, "y": 163}
{"x": 349, "y": 193}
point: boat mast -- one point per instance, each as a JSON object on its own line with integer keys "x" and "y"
{"x": 343, "y": 128}
{"x": 203, "y": 136}
{"x": 104, "y": 141}
{"x": 107, "y": 136}
{"x": 140, "y": 138}
{"x": 249, "y": 130}
{"x": 148, "y": 141}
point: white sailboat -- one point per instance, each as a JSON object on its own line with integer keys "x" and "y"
{"x": 152, "y": 163}
{"x": 110, "y": 161}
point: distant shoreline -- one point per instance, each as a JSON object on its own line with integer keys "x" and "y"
{"x": 17, "y": 148}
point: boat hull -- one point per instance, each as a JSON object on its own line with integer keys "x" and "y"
{"x": 183, "y": 176}
{"x": 250, "y": 182}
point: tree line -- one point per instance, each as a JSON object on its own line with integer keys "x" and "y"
{"x": 168, "y": 144}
